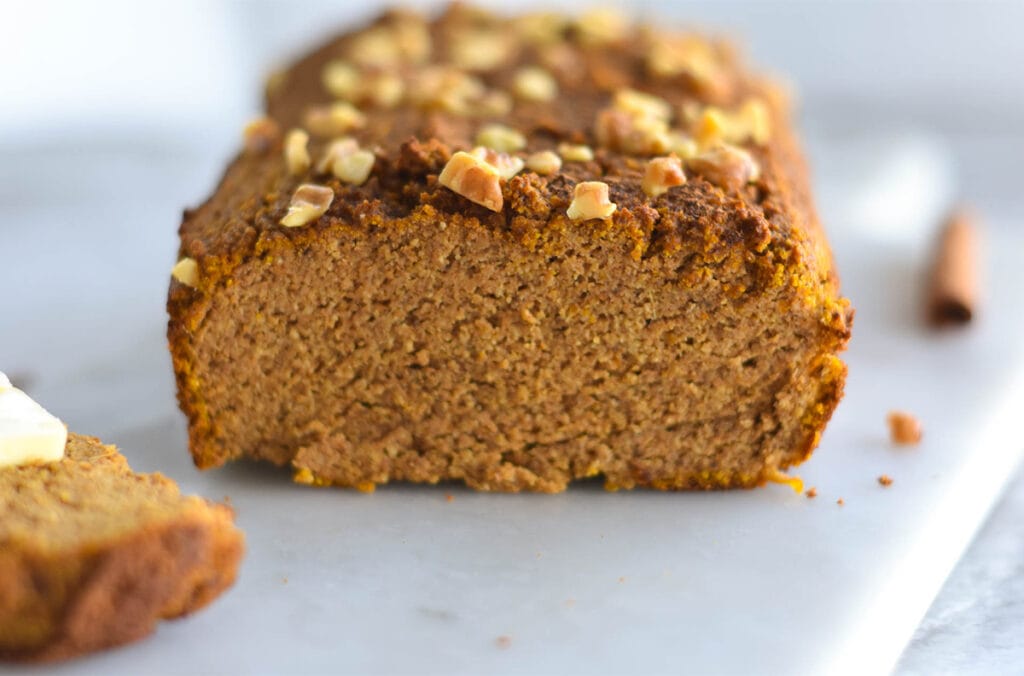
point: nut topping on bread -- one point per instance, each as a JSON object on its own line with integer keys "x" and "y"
{"x": 296, "y": 152}
{"x": 726, "y": 166}
{"x": 506, "y": 165}
{"x": 260, "y": 135}
{"x": 186, "y": 271}
{"x": 661, "y": 174}
{"x": 590, "y": 200}
{"x": 334, "y": 119}
{"x": 573, "y": 152}
{"x": 501, "y": 138}
{"x": 544, "y": 162}
{"x": 535, "y": 84}
{"x": 309, "y": 202}
{"x": 473, "y": 178}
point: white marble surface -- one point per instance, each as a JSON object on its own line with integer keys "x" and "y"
{"x": 866, "y": 571}
{"x": 976, "y": 624}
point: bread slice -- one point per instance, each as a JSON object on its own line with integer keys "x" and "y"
{"x": 583, "y": 249}
{"x": 92, "y": 555}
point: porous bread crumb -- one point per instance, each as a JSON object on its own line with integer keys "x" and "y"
{"x": 296, "y": 152}
{"x": 474, "y": 179}
{"x": 904, "y": 428}
{"x": 812, "y": 492}
{"x": 840, "y": 502}
{"x": 309, "y": 202}
{"x": 885, "y": 480}
{"x": 590, "y": 200}
{"x": 186, "y": 271}
{"x": 503, "y": 642}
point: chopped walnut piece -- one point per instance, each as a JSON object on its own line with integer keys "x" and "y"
{"x": 341, "y": 79}
{"x": 672, "y": 55}
{"x": 756, "y": 120}
{"x": 260, "y": 135}
{"x": 712, "y": 127}
{"x": 296, "y": 152}
{"x": 661, "y": 174}
{"x": 590, "y": 200}
{"x": 575, "y": 153}
{"x": 186, "y": 271}
{"x": 506, "y": 165}
{"x": 501, "y": 138}
{"x": 479, "y": 49}
{"x": 334, "y": 119}
{"x": 354, "y": 168}
{"x": 446, "y": 88}
{"x": 535, "y": 84}
{"x": 335, "y": 150}
{"x": 638, "y": 135}
{"x": 494, "y": 103}
{"x": 309, "y": 202}
{"x": 406, "y": 40}
{"x": 682, "y": 145}
{"x": 544, "y": 162}
{"x": 726, "y": 166}
{"x": 600, "y": 26}
{"x": 904, "y": 429}
{"x": 384, "y": 90}
{"x": 641, "y": 104}
{"x": 474, "y": 179}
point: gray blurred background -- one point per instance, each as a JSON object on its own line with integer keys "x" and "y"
{"x": 132, "y": 108}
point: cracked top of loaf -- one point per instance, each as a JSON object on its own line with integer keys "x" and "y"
{"x": 524, "y": 125}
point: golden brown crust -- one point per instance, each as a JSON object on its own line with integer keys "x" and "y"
{"x": 112, "y": 582}
{"x": 758, "y": 240}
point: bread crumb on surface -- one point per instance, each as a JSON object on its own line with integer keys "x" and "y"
{"x": 840, "y": 502}
{"x": 885, "y": 480}
{"x": 449, "y": 498}
{"x": 503, "y": 642}
{"x": 812, "y": 492}
{"x": 904, "y": 428}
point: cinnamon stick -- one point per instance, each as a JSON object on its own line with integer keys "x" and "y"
{"x": 953, "y": 287}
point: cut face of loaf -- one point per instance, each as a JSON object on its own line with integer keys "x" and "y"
{"x": 677, "y": 328}
{"x": 93, "y": 555}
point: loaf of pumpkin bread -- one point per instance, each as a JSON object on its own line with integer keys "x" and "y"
{"x": 511, "y": 252}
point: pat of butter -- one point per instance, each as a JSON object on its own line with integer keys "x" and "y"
{"x": 28, "y": 433}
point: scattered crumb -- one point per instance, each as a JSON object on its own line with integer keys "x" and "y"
{"x": 904, "y": 428}
{"x": 227, "y": 500}
{"x": 569, "y": 603}
{"x": 449, "y": 497}
{"x": 885, "y": 480}
{"x": 778, "y": 477}
{"x": 622, "y": 579}
{"x": 840, "y": 502}
{"x": 539, "y": 555}
{"x": 284, "y": 580}
{"x": 812, "y": 492}
{"x": 503, "y": 642}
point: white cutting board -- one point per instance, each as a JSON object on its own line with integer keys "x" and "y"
{"x": 405, "y": 580}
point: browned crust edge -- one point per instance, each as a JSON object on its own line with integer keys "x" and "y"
{"x": 124, "y": 588}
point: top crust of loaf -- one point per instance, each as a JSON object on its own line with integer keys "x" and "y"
{"x": 698, "y": 86}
